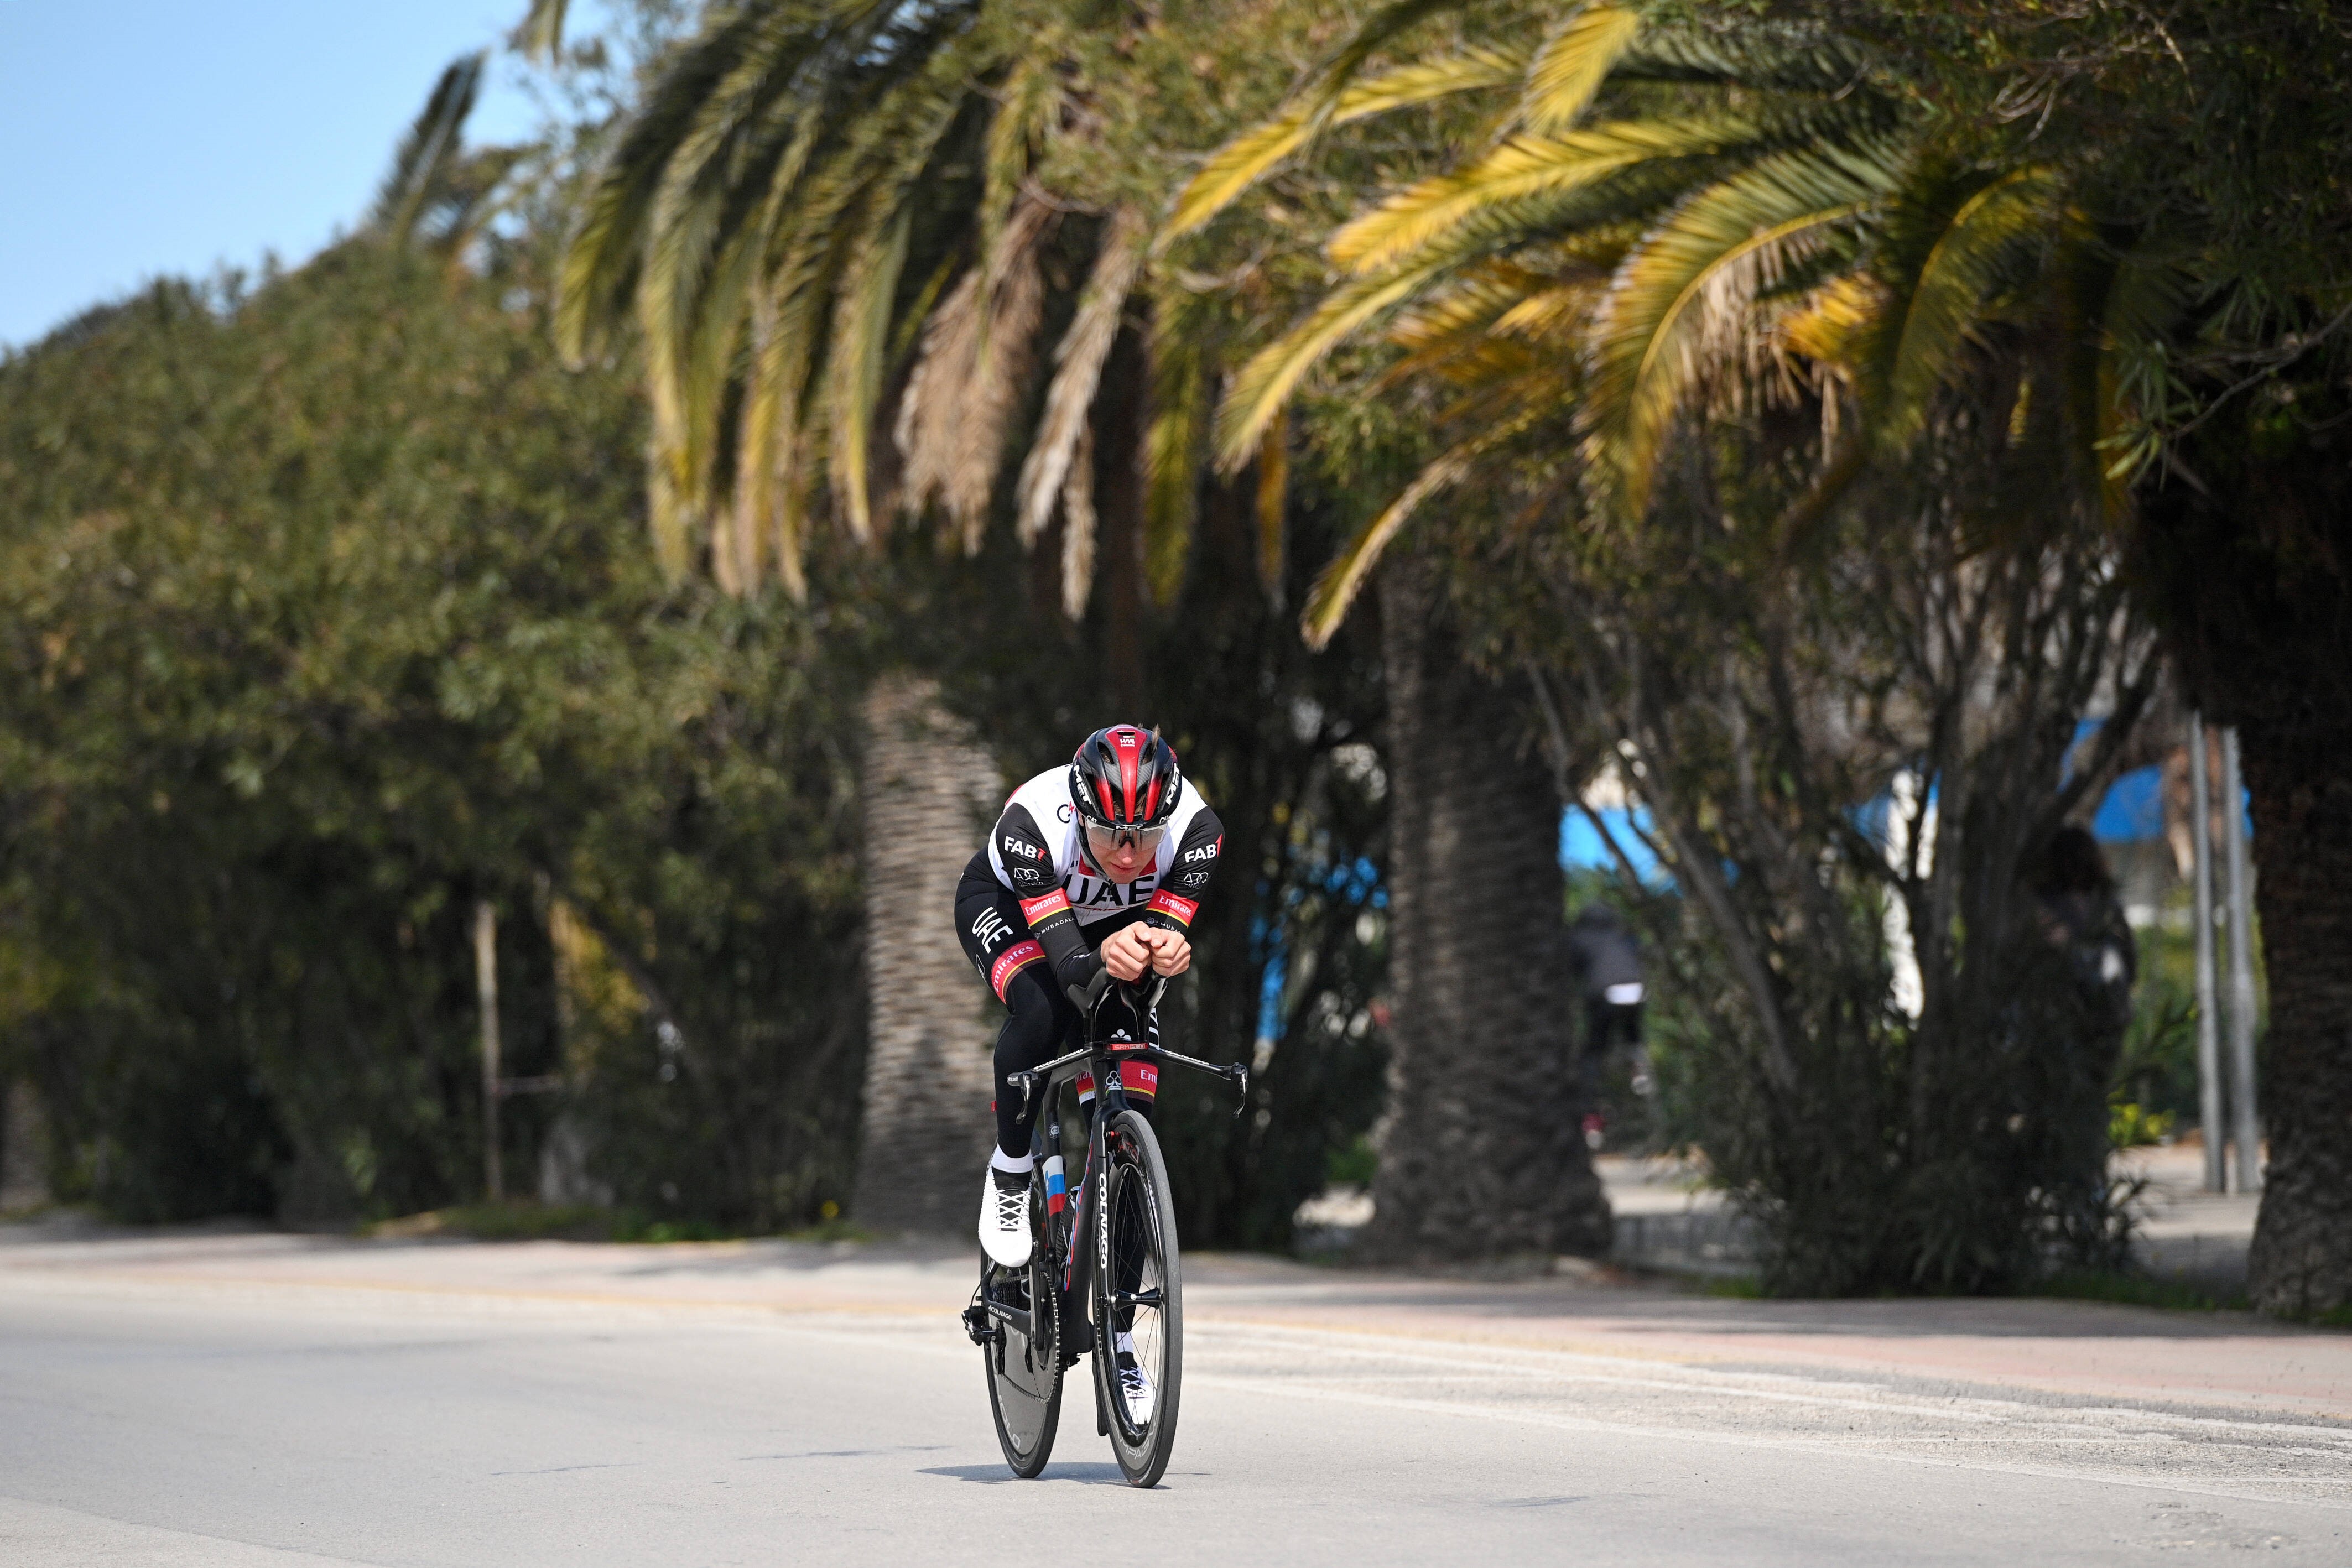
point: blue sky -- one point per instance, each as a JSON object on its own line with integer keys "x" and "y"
{"x": 146, "y": 137}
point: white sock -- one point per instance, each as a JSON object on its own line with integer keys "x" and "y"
{"x": 1018, "y": 1165}
{"x": 1123, "y": 1343}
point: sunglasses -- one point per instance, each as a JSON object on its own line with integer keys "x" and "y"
{"x": 1103, "y": 841}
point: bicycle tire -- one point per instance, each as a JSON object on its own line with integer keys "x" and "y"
{"x": 1138, "y": 1219}
{"x": 1024, "y": 1375}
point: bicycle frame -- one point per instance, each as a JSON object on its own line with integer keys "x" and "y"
{"x": 1102, "y": 1059}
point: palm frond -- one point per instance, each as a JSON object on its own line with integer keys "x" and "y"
{"x": 1027, "y": 106}
{"x": 1078, "y": 527}
{"x": 1572, "y": 64}
{"x": 1382, "y": 29}
{"x": 1338, "y": 584}
{"x": 2146, "y": 296}
{"x": 1489, "y": 310}
{"x": 420, "y": 165}
{"x": 1242, "y": 162}
{"x": 1679, "y": 304}
{"x": 1466, "y": 304}
{"x": 1266, "y": 382}
{"x": 1545, "y": 312}
{"x": 1522, "y": 168}
{"x": 598, "y": 280}
{"x": 861, "y": 340}
{"x": 674, "y": 523}
{"x": 1273, "y": 498}
{"x": 1834, "y": 320}
{"x": 960, "y": 401}
{"x": 540, "y": 35}
{"x": 1180, "y": 353}
{"x": 1078, "y": 363}
{"x": 761, "y": 430}
{"x": 887, "y": 158}
{"x": 1945, "y": 299}
{"x": 473, "y": 196}
{"x": 1756, "y": 57}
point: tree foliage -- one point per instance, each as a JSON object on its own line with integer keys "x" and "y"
{"x": 327, "y": 616}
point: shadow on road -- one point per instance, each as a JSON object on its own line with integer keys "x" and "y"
{"x": 1097, "y": 1474}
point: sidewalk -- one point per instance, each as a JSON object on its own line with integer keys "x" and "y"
{"x": 2225, "y": 1361}
{"x": 2186, "y": 1233}
{"x": 1666, "y": 1221}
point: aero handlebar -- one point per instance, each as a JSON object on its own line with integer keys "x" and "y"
{"x": 1091, "y": 999}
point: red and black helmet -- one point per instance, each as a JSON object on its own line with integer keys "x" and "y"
{"x": 1125, "y": 778}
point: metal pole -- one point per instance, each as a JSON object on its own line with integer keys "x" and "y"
{"x": 486, "y": 979}
{"x": 2241, "y": 971}
{"x": 2209, "y": 1029}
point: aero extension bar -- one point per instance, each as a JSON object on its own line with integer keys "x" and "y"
{"x": 1236, "y": 1073}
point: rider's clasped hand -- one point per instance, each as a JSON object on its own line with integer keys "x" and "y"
{"x": 1129, "y": 951}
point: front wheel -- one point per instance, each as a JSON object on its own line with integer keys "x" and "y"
{"x": 1138, "y": 1304}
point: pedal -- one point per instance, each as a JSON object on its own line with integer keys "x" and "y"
{"x": 976, "y": 1322}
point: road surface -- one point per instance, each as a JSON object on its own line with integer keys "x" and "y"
{"x": 271, "y": 1401}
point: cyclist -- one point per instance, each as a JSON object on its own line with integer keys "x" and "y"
{"x": 1096, "y": 866}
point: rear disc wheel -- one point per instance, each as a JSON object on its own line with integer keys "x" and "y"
{"x": 1022, "y": 1353}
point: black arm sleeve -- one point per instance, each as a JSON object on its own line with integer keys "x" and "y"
{"x": 1029, "y": 872}
{"x": 1171, "y": 908}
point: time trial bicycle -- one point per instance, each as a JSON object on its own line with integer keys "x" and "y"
{"x": 1103, "y": 1269}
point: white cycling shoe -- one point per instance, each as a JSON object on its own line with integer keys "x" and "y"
{"x": 1005, "y": 1216}
{"x": 1135, "y": 1386}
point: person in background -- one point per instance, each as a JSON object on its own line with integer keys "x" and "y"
{"x": 1607, "y": 963}
{"x": 2074, "y": 896}
{"x": 2075, "y": 1004}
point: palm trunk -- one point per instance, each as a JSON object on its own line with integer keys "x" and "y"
{"x": 2302, "y": 1258}
{"x": 1118, "y": 506}
{"x": 1484, "y": 1156}
{"x": 929, "y": 787}
{"x": 23, "y": 1156}
{"x": 2253, "y": 581}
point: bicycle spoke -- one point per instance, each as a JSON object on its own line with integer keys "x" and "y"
{"x": 1021, "y": 1353}
{"x": 1140, "y": 1305}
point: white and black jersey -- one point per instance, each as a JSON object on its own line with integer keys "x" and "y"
{"x": 1038, "y": 851}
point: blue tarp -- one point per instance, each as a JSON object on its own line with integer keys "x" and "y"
{"x": 2134, "y": 808}
{"x": 1581, "y": 849}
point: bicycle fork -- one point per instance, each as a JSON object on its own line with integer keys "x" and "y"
{"x": 1081, "y": 1260}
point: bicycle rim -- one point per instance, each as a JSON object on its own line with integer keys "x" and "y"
{"x": 1024, "y": 1370}
{"x": 1141, "y": 1297}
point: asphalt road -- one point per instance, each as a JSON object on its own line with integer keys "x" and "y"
{"x": 270, "y": 1401}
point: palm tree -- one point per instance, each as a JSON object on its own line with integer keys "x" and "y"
{"x": 1756, "y": 207}
{"x": 1628, "y": 253}
{"x": 851, "y": 239}
{"x": 440, "y": 194}
{"x": 1492, "y": 307}
{"x": 757, "y": 221}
